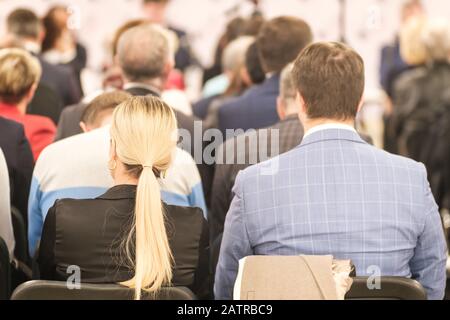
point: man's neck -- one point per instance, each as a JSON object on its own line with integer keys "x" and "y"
{"x": 154, "y": 84}
{"x": 31, "y": 45}
{"x": 310, "y": 124}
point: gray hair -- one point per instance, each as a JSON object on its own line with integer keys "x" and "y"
{"x": 143, "y": 53}
{"x": 436, "y": 39}
{"x": 234, "y": 53}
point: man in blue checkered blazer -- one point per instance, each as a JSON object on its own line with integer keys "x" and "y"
{"x": 335, "y": 194}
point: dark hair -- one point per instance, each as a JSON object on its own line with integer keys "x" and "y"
{"x": 253, "y": 65}
{"x": 104, "y": 102}
{"x": 53, "y": 28}
{"x": 124, "y": 28}
{"x": 330, "y": 78}
{"x": 253, "y": 25}
{"x": 24, "y": 23}
{"x": 281, "y": 40}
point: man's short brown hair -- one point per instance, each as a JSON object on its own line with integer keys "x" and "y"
{"x": 105, "y": 102}
{"x": 23, "y": 23}
{"x": 330, "y": 78}
{"x": 280, "y": 41}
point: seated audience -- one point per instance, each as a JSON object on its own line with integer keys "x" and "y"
{"x": 19, "y": 76}
{"x": 59, "y": 46}
{"x": 251, "y": 148}
{"x": 128, "y": 235}
{"x": 6, "y": 229}
{"x": 279, "y": 42}
{"x": 421, "y": 100}
{"x": 335, "y": 194}
{"x": 28, "y": 32}
{"x": 54, "y": 176}
{"x": 20, "y": 162}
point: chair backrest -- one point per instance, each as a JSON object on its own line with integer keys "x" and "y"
{"x": 20, "y": 235}
{"x": 390, "y": 288}
{"x": 55, "y": 290}
{"x": 5, "y": 271}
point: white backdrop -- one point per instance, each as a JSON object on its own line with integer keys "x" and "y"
{"x": 369, "y": 23}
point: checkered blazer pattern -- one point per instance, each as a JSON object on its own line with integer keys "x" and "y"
{"x": 336, "y": 194}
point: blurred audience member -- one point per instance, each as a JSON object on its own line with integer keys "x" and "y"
{"x": 422, "y": 103}
{"x": 28, "y": 32}
{"x": 279, "y": 42}
{"x": 155, "y": 10}
{"x": 20, "y": 161}
{"x": 233, "y": 64}
{"x": 86, "y": 155}
{"x": 392, "y": 61}
{"x": 166, "y": 245}
{"x": 335, "y": 194}
{"x": 59, "y": 45}
{"x": 252, "y": 148}
{"x": 19, "y": 76}
{"x": 6, "y": 229}
{"x": 233, "y": 30}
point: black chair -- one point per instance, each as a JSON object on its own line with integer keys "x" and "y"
{"x": 55, "y": 290}
{"x": 392, "y": 288}
{"x": 5, "y": 271}
{"x": 20, "y": 235}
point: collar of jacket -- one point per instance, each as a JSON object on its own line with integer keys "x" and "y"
{"x": 142, "y": 89}
{"x": 120, "y": 192}
{"x": 332, "y": 134}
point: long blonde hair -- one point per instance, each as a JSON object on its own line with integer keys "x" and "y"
{"x": 144, "y": 133}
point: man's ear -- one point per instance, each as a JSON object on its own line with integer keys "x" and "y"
{"x": 301, "y": 104}
{"x": 83, "y": 127}
{"x": 281, "y": 108}
{"x": 31, "y": 93}
{"x": 361, "y": 103}
{"x": 168, "y": 67}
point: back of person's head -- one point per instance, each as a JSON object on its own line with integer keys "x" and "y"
{"x": 411, "y": 9}
{"x": 144, "y": 53}
{"x": 99, "y": 111}
{"x": 20, "y": 73}
{"x": 281, "y": 40}
{"x": 436, "y": 38}
{"x": 253, "y": 65}
{"x": 253, "y": 25}
{"x": 122, "y": 29}
{"x": 412, "y": 47}
{"x": 330, "y": 80}
{"x": 234, "y": 54}
{"x": 143, "y": 135}
{"x": 54, "y": 22}
{"x": 24, "y": 24}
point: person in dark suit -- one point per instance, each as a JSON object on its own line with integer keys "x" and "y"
{"x": 27, "y": 31}
{"x": 278, "y": 139}
{"x": 19, "y": 159}
{"x": 128, "y": 235}
{"x": 69, "y": 121}
{"x": 279, "y": 42}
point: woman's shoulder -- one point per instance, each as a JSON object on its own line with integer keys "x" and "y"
{"x": 188, "y": 213}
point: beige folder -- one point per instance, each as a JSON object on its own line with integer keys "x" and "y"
{"x": 292, "y": 278}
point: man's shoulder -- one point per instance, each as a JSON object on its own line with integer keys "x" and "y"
{"x": 9, "y": 126}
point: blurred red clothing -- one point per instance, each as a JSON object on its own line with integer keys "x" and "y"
{"x": 40, "y": 131}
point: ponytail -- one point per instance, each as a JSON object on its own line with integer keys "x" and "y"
{"x": 142, "y": 131}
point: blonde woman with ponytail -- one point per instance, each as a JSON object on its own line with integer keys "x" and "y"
{"x": 128, "y": 235}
